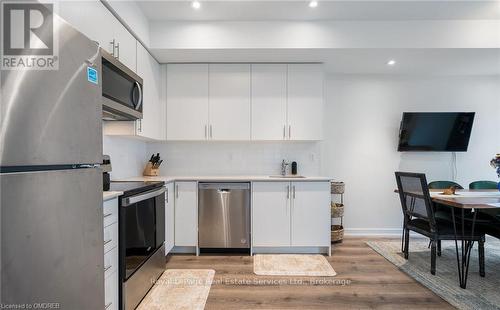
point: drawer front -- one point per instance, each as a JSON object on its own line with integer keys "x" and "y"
{"x": 110, "y": 237}
{"x": 110, "y": 262}
{"x": 111, "y": 292}
{"x": 110, "y": 212}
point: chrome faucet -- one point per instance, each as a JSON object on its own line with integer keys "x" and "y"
{"x": 284, "y": 164}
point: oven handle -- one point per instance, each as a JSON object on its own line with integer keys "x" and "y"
{"x": 147, "y": 195}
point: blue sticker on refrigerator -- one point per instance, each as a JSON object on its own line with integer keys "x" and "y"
{"x": 92, "y": 75}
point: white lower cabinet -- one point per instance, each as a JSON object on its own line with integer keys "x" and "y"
{"x": 110, "y": 249}
{"x": 286, "y": 214}
{"x": 271, "y": 214}
{"x": 186, "y": 214}
{"x": 111, "y": 292}
{"x": 169, "y": 218}
{"x": 310, "y": 216}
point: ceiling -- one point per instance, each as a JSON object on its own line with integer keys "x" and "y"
{"x": 259, "y": 10}
{"x": 410, "y": 61}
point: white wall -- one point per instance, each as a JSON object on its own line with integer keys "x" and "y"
{"x": 325, "y": 34}
{"x": 361, "y": 135}
{"x": 128, "y": 156}
{"x": 235, "y": 158}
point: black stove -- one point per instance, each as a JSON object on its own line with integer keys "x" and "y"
{"x": 130, "y": 188}
{"x": 141, "y": 238}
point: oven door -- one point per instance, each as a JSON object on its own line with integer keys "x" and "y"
{"x": 121, "y": 90}
{"x": 142, "y": 229}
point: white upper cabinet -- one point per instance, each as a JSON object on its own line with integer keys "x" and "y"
{"x": 91, "y": 18}
{"x": 152, "y": 125}
{"x": 305, "y": 101}
{"x": 269, "y": 102}
{"x": 229, "y": 102}
{"x": 187, "y": 101}
{"x": 94, "y": 20}
{"x": 125, "y": 46}
{"x": 241, "y": 102}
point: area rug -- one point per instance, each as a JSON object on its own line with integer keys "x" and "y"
{"x": 481, "y": 293}
{"x": 179, "y": 289}
{"x": 292, "y": 265}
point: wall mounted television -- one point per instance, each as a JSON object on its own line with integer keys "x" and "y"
{"x": 435, "y": 131}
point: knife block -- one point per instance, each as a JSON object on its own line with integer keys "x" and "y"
{"x": 150, "y": 171}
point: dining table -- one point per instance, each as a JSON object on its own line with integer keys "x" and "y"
{"x": 467, "y": 203}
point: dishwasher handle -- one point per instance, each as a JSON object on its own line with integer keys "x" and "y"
{"x": 224, "y": 187}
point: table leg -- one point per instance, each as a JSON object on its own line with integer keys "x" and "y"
{"x": 463, "y": 255}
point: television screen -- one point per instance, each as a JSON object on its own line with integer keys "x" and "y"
{"x": 438, "y": 132}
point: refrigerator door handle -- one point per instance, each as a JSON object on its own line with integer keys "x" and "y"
{"x": 89, "y": 166}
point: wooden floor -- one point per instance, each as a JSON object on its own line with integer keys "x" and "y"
{"x": 365, "y": 280}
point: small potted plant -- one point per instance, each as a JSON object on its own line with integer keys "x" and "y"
{"x": 495, "y": 163}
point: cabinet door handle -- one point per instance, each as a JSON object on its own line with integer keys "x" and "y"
{"x": 107, "y": 268}
{"x": 284, "y": 132}
{"x": 107, "y": 241}
{"x": 206, "y": 132}
{"x": 107, "y": 215}
{"x": 166, "y": 195}
{"x": 176, "y": 191}
{"x": 293, "y": 189}
{"x": 112, "y": 47}
{"x": 108, "y": 305}
{"x": 118, "y": 50}
{"x": 210, "y": 131}
{"x": 139, "y": 125}
{"x": 289, "y": 132}
{"x": 288, "y": 192}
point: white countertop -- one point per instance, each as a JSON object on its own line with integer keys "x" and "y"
{"x": 110, "y": 195}
{"x": 239, "y": 178}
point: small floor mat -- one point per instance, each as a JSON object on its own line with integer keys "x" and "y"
{"x": 179, "y": 289}
{"x": 292, "y": 265}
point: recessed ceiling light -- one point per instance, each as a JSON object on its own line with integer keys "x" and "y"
{"x": 313, "y": 4}
{"x": 391, "y": 62}
{"x": 196, "y": 5}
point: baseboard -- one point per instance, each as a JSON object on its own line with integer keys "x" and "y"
{"x": 290, "y": 250}
{"x": 376, "y": 232}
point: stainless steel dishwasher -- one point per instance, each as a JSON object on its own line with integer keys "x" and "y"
{"x": 224, "y": 215}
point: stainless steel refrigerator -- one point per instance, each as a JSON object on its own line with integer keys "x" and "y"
{"x": 51, "y": 185}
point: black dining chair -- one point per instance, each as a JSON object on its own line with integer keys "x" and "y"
{"x": 443, "y": 212}
{"x": 419, "y": 217}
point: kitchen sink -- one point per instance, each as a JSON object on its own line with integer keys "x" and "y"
{"x": 288, "y": 176}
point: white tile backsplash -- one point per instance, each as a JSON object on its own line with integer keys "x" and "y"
{"x": 235, "y": 158}
{"x": 128, "y": 156}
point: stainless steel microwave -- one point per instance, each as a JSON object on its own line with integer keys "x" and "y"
{"x": 121, "y": 90}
